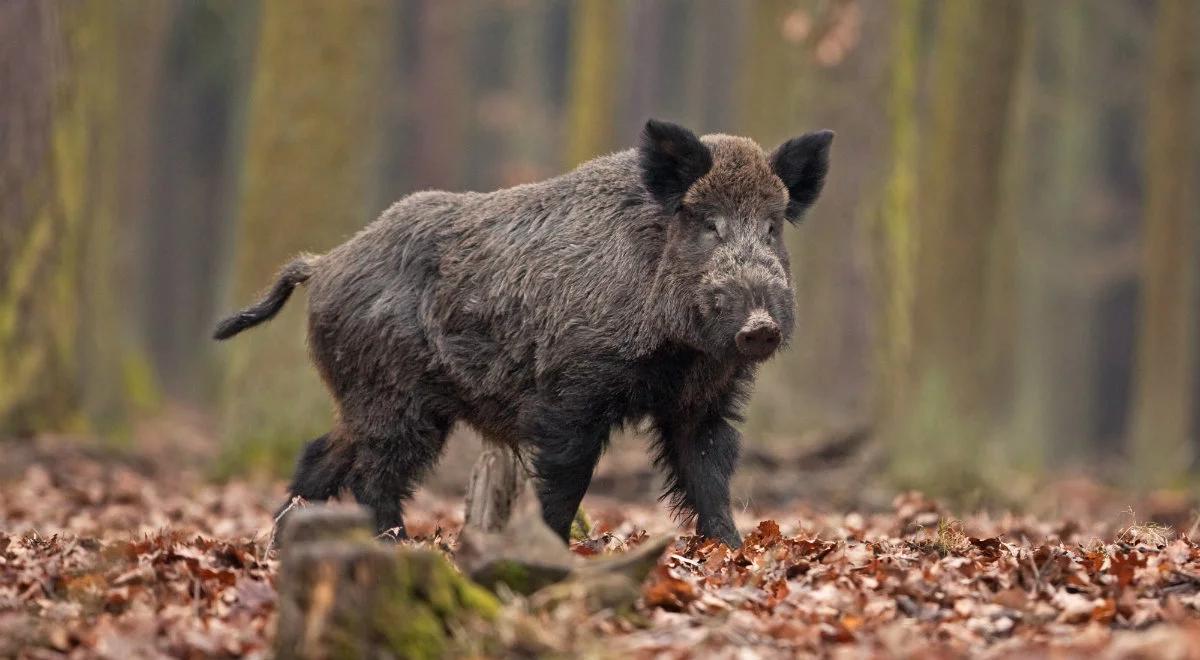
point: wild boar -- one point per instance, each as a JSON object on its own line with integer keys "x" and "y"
{"x": 645, "y": 285}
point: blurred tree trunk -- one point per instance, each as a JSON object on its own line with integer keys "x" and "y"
{"x": 487, "y": 76}
{"x": 770, "y": 74}
{"x": 119, "y": 378}
{"x": 645, "y": 23}
{"x": 771, "y": 69}
{"x": 81, "y": 72}
{"x": 807, "y": 66}
{"x": 595, "y": 61}
{"x": 192, "y": 189}
{"x": 441, "y": 94}
{"x": 709, "y": 70}
{"x": 38, "y": 282}
{"x": 661, "y": 46}
{"x": 1058, "y": 134}
{"x": 1167, "y": 350}
{"x": 831, "y": 254}
{"x": 306, "y": 183}
{"x": 532, "y": 135}
{"x": 896, "y": 234}
{"x": 1119, "y": 46}
{"x": 966, "y": 261}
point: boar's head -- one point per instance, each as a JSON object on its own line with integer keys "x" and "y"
{"x": 728, "y": 203}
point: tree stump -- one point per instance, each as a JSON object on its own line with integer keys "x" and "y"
{"x": 343, "y": 594}
{"x": 497, "y": 480}
{"x": 527, "y": 557}
{"x": 521, "y": 552}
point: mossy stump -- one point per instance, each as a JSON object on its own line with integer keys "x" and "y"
{"x": 344, "y": 595}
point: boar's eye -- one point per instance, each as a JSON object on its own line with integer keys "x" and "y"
{"x": 711, "y": 227}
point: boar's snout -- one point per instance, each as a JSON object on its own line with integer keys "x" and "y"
{"x": 759, "y": 337}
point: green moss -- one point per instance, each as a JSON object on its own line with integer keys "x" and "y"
{"x": 477, "y": 599}
{"x": 406, "y": 604}
{"x": 512, "y": 574}
{"x": 581, "y": 526}
{"x": 426, "y": 599}
{"x": 437, "y": 587}
{"x": 411, "y": 630}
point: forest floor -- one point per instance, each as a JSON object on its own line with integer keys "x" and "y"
{"x": 145, "y": 558}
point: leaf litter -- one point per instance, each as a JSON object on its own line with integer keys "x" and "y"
{"x": 99, "y": 559}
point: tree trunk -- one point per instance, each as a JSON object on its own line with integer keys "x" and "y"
{"x": 770, "y": 74}
{"x": 118, "y": 378}
{"x": 595, "y": 61}
{"x": 535, "y": 129}
{"x": 767, "y": 83}
{"x": 307, "y": 179}
{"x": 1162, "y": 433}
{"x": 1058, "y": 133}
{"x": 73, "y": 92}
{"x": 441, "y": 90}
{"x": 797, "y": 82}
{"x": 643, "y": 83}
{"x": 896, "y": 236}
{"x": 965, "y": 262}
{"x": 38, "y": 282}
{"x": 710, "y": 72}
{"x": 193, "y": 189}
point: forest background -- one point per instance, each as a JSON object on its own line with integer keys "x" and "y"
{"x": 999, "y": 288}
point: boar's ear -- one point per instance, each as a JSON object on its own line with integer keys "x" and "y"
{"x": 672, "y": 158}
{"x": 801, "y": 163}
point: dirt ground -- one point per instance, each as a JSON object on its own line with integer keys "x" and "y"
{"x": 102, "y": 556}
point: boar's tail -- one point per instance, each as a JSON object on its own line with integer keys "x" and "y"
{"x": 296, "y": 271}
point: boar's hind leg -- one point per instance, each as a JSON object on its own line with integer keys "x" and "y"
{"x": 321, "y": 470}
{"x": 320, "y": 474}
{"x": 699, "y": 460}
{"x": 390, "y": 463}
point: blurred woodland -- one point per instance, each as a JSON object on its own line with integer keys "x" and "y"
{"x": 1001, "y": 282}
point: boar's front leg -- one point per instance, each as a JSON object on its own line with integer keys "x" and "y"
{"x": 699, "y": 459}
{"x": 567, "y": 437}
{"x": 566, "y": 450}
{"x": 567, "y": 424}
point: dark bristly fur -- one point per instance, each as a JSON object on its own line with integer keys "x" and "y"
{"x": 643, "y": 285}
